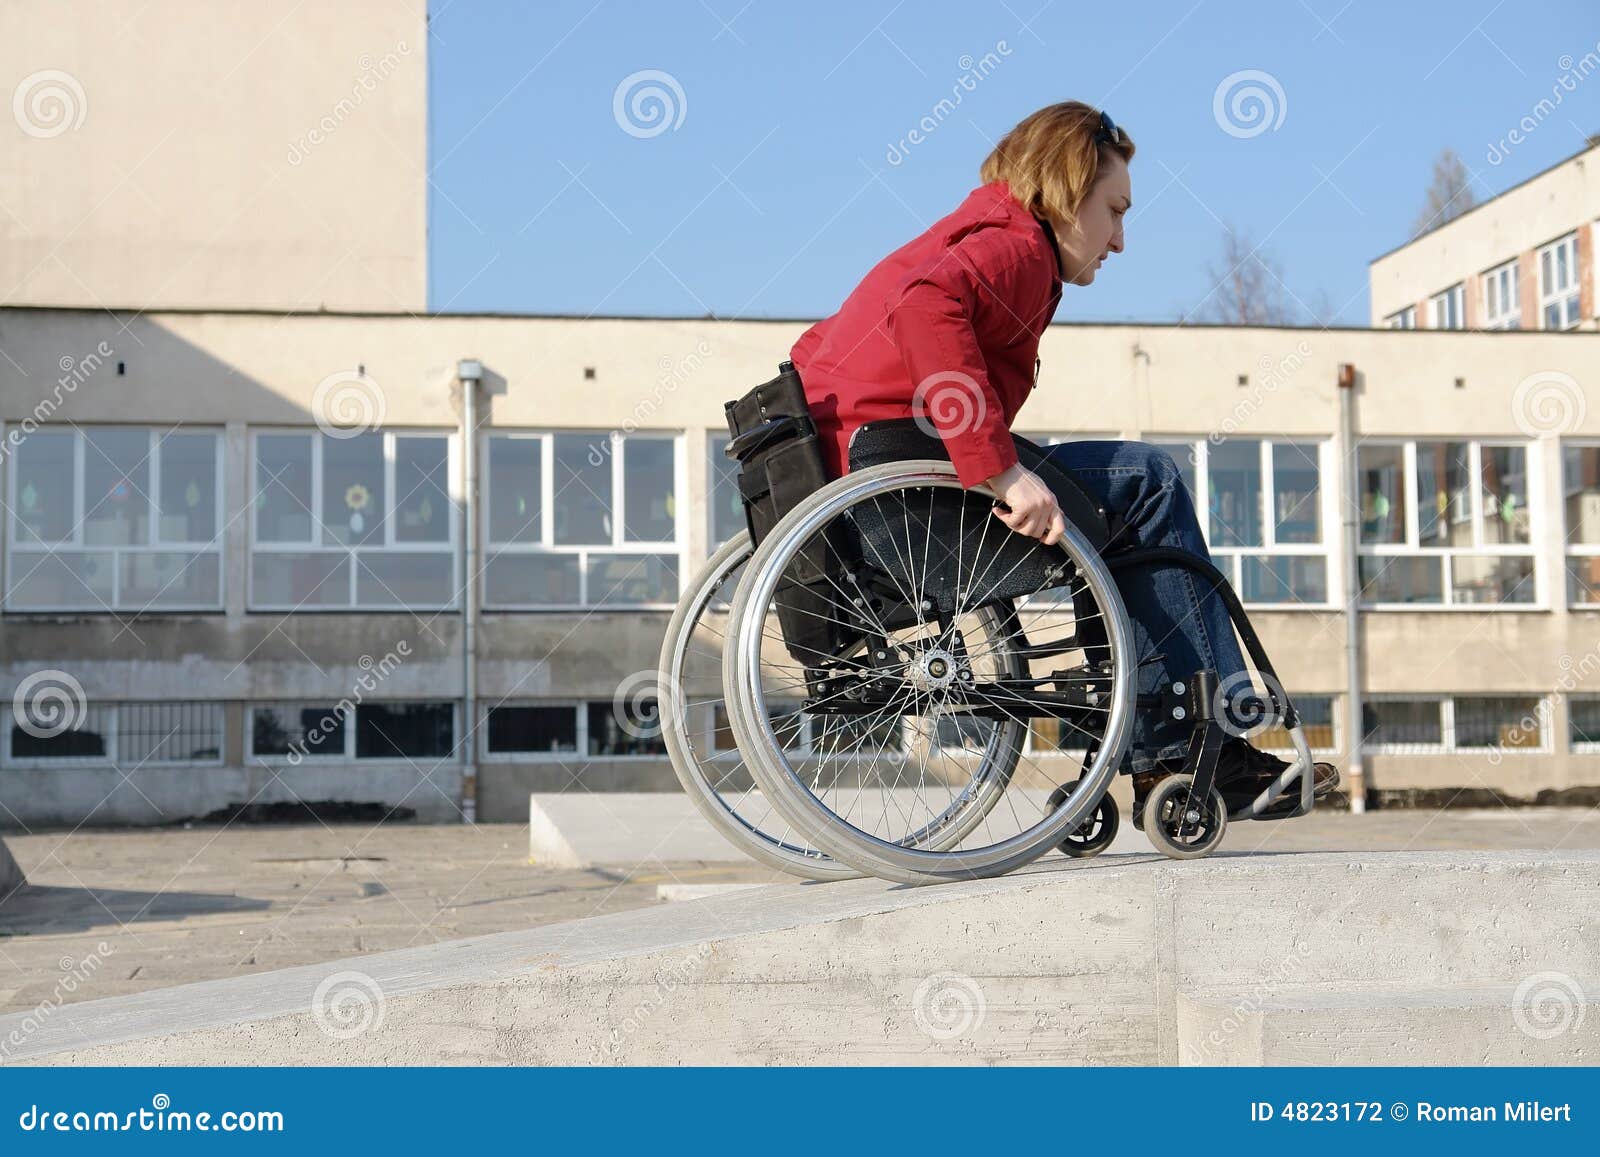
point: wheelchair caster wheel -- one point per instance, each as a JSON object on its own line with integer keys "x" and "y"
{"x": 1169, "y": 805}
{"x": 1095, "y": 834}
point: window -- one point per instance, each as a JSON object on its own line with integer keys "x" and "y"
{"x": 1436, "y": 725}
{"x": 130, "y": 735}
{"x": 1447, "y": 309}
{"x": 1580, "y": 489}
{"x": 1558, "y": 283}
{"x": 115, "y": 518}
{"x": 1445, "y": 524}
{"x": 722, "y": 485}
{"x": 398, "y": 732}
{"x": 1405, "y": 319}
{"x": 1502, "y": 307}
{"x": 1316, "y": 720}
{"x": 600, "y": 728}
{"x": 1583, "y": 723}
{"x": 364, "y": 521}
{"x": 1261, "y": 505}
{"x": 582, "y": 520}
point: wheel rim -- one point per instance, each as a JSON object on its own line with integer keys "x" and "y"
{"x": 896, "y": 845}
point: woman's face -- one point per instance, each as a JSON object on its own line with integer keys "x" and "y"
{"x": 1098, "y": 229}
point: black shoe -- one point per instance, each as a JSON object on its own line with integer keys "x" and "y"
{"x": 1244, "y": 773}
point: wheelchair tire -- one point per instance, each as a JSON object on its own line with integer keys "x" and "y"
{"x": 1095, "y": 834}
{"x": 710, "y": 778}
{"x": 904, "y": 847}
{"x": 1162, "y": 815}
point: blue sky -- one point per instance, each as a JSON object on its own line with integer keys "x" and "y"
{"x": 787, "y": 168}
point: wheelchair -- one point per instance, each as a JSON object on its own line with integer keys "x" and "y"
{"x": 881, "y": 660}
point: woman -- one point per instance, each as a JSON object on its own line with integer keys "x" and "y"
{"x": 961, "y": 308}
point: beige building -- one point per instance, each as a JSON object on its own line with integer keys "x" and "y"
{"x": 1524, "y": 260}
{"x": 234, "y": 570}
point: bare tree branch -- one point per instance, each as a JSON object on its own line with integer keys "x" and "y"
{"x": 1449, "y": 194}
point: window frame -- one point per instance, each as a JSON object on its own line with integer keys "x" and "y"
{"x": 1229, "y": 559}
{"x": 1412, "y": 547}
{"x": 1570, "y": 549}
{"x": 580, "y": 708}
{"x": 1569, "y": 296}
{"x": 155, "y": 436}
{"x": 450, "y": 547}
{"x": 1405, "y": 318}
{"x": 114, "y": 757}
{"x": 1509, "y": 315}
{"x": 677, "y": 547}
{"x": 253, "y": 758}
{"x": 1447, "y": 744}
{"x": 1445, "y": 303}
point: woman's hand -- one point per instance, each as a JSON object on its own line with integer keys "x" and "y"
{"x": 1032, "y": 505}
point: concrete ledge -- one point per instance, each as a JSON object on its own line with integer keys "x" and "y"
{"x": 11, "y": 877}
{"x": 1122, "y": 959}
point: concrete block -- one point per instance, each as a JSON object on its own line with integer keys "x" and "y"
{"x": 10, "y": 872}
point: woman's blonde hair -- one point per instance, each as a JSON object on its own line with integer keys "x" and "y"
{"x": 1051, "y": 159}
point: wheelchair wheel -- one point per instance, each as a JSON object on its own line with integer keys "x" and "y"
{"x": 694, "y": 728}
{"x": 947, "y": 637}
{"x": 1095, "y": 834}
{"x": 1170, "y": 802}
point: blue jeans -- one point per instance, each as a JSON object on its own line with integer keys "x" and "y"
{"x": 1147, "y": 503}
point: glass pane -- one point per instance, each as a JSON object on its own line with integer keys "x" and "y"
{"x": 1495, "y": 721}
{"x": 1316, "y": 720}
{"x": 45, "y": 511}
{"x": 1235, "y": 473}
{"x": 1284, "y": 578}
{"x": 187, "y": 497}
{"x": 1297, "y": 510}
{"x": 1583, "y": 719}
{"x": 632, "y": 579}
{"x": 421, "y": 490}
{"x": 1401, "y": 578}
{"x": 116, "y": 487}
{"x": 89, "y": 740}
{"x": 395, "y": 578}
{"x": 519, "y": 580}
{"x": 283, "y": 488}
{"x": 1505, "y": 494}
{"x": 171, "y": 579}
{"x": 1492, "y": 579}
{"x": 304, "y": 728}
{"x": 300, "y": 581}
{"x": 514, "y": 481}
{"x": 963, "y": 733}
{"x": 68, "y": 579}
{"x": 1394, "y": 722}
{"x": 649, "y": 502}
{"x": 169, "y": 733}
{"x": 404, "y": 730}
{"x": 1583, "y": 579}
{"x": 727, "y": 509}
{"x": 353, "y": 500}
{"x": 1050, "y": 736}
{"x": 1383, "y": 493}
{"x": 533, "y": 729}
{"x": 1581, "y": 493}
{"x": 625, "y": 728}
{"x": 1443, "y": 514}
{"x": 582, "y": 501}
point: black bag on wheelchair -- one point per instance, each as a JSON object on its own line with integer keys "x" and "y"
{"x": 780, "y": 461}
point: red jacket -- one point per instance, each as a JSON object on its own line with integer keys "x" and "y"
{"x": 959, "y": 309}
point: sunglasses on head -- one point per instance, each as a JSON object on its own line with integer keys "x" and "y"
{"x": 1108, "y": 133}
